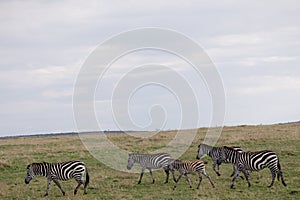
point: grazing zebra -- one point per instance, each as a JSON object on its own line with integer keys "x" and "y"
{"x": 216, "y": 155}
{"x": 150, "y": 161}
{"x": 189, "y": 167}
{"x": 59, "y": 171}
{"x": 254, "y": 161}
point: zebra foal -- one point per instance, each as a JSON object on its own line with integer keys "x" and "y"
{"x": 215, "y": 153}
{"x": 150, "y": 161}
{"x": 59, "y": 171}
{"x": 189, "y": 167}
{"x": 254, "y": 161}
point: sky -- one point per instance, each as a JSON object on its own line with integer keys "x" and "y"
{"x": 254, "y": 45}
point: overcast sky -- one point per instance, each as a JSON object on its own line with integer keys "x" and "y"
{"x": 255, "y": 45}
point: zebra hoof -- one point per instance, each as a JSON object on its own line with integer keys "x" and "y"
{"x": 231, "y": 187}
{"x": 139, "y": 182}
{"x": 46, "y": 195}
{"x": 284, "y": 184}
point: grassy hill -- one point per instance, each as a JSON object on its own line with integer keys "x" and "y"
{"x": 17, "y": 153}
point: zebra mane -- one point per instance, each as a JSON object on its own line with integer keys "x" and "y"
{"x": 35, "y": 164}
{"x": 205, "y": 145}
{"x": 202, "y": 144}
{"x": 230, "y": 148}
{"x": 137, "y": 154}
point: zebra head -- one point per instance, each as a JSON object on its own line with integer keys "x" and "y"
{"x": 203, "y": 149}
{"x": 130, "y": 161}
{"x": 30, "y": 174}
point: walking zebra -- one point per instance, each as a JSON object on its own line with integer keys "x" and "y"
{"x": 59, "y": 171}
{"x": 150, "y": 161}
{"x": 216, "y": 155}
{"x": 189, "y": 167}
{"x": 254, "y": 161}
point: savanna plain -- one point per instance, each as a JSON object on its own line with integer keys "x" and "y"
{"x": 105, "y": 183}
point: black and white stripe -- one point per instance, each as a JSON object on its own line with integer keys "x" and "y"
{"x": 216, "y": 155}
{"x": 150, "y": 161}
{"x": 189, "y": 167}
{"x": 253, "y": 161}
{"x": 59, "y": 171}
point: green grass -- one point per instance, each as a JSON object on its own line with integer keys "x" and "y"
{"x": 106, "y": 183}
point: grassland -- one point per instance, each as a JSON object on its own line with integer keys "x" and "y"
{"x": 106, "y": 183}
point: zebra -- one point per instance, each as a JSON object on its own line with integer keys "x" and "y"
{"x": 216, "y": 155}
{"x": 150, "y": 161}
{"x": 59, "y": 171}
{"x": 253, "y": 161}
{"x": 189, "y": 167}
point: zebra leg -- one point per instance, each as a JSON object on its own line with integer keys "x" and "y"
{"x": 151, "y": 175}
{"x": 167, "y": 170}
{"x": 179, "y": 177}
{"x": 173, "y": 173}
{"x": 188, "y": 180}
{"x": 282, "y": 179}
{"x": 77, "y": 187}
{"x": 214, "y": 168}
{"x": 59, "y": 186}
{"x": 48, "y": 186}
{"x": 234, "y": 169}
{"x": 273, "y": 178}
{"x": 236, "y": 175}
{"x": 200, "y": 179}
{"x": 207, "y": 176}
{"x": 246, "y": 174}
{"x": 141, "y": 176}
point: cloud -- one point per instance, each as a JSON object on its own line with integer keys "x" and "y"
{"x": 43, "y": 45}
{"x": 237, "y": 39}
{"x": 266, "y": 85}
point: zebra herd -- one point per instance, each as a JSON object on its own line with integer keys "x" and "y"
{"x": 242, "y": 161}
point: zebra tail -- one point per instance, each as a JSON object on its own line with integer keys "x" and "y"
{"x": 87, "y": 177}
{"x": 205, "y": 162}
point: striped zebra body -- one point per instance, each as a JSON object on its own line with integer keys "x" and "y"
{"x": 189, "y": 167}
{"x": 216, "y": 155}
{"x": 59, "y": 171}
{"x": 150, "y": 161}
{"x": 254, "y": 161}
